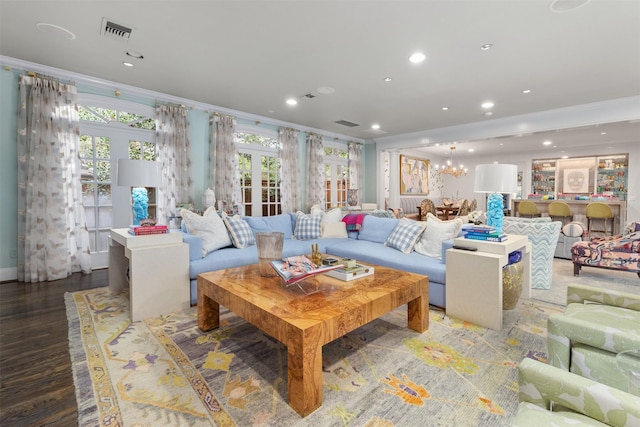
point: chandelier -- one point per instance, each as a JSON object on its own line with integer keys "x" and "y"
{"x": 449, "y": 168}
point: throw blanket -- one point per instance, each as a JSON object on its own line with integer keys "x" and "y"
{"x": 354, "y": 221}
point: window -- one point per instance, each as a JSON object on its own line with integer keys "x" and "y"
{"x": 336, "y": 166}
{"x": 259, "y": 158}
{"x": 111, "y": 129}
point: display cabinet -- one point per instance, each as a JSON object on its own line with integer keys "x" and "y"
{"x": 611, "y": 175}
{"x": 543, "y": 177}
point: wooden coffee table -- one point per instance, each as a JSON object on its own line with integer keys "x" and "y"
{"x": 304, "y": 323}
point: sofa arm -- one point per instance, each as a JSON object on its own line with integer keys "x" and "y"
{"x": 541, "y": 384}
{"x": 582, "y": 293}
{"x": 446, "y": 244}
{"x": 195, "y": 245}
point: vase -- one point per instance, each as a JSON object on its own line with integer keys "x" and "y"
{"x": 352, "y": 197}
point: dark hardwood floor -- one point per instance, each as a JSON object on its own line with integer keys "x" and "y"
{"x": 36, "y": 383}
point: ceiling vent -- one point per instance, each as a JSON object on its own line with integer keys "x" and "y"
{"x": 347, "y": 123}
{"x": 310, "y": 95}
{"x": 115, "y": 31}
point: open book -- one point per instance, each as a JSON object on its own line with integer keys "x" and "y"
{"x": 296, "y": 268}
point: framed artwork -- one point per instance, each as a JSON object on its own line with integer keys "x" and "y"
{"x": 576, "y": 181}
{"x": 414, "y": 175}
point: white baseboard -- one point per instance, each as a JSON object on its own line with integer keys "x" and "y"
{"x": 8, "y": 274}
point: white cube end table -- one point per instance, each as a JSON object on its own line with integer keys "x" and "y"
{"x": 158, "y": 267}
{"x": 474, "y": 279}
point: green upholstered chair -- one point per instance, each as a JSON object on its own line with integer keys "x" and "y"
{"x": 543, "y": 235}
{"x": 596, "y": 325}
{"x": 601, "y": 213}
{"x": 576, "y": 401}
{"x": 560, "y": 211}
{"x": 528, "y": 209}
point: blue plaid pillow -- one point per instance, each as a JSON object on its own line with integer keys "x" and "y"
{"x": 405, "y": 235}
{"x": 307, "y": 226}
{"x": 239, "y": 231}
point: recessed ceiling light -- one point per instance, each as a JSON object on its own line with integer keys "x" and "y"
{"x": 417, "y": 57}
{"x": 375, "y": 126}
{"x": 488, "y": 113}
{"x": 487, "y": 105}
{"x": 603, "y": 133}
{"x": 471, "y": 150}
{"x": 526, "y": 91}
{"x": 325, "y": 90}
{"x": 387, "y": 79}
{"x": 271, "y": 111}
{"x": 134, "y": 54}
{"x": 292, "y": 101}
{"x": 486, "y": 46}
{"x": 445, "y": 108}
{"x": 566, "y": 5}
{"x": 547, "y": 143}
{"x": 565, "y": 157}
{"x": 55, "y": 30}
{"x": 127, "y": 64}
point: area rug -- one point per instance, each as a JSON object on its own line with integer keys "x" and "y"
{"x": 165, "y": 371}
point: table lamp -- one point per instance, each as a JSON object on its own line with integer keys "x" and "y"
{"x": 495, "y": 179}
{"x": 139, "y": 174}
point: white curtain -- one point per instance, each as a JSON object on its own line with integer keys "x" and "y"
{"x": 53, "y": 241}
{"x": 174, "y": 153}
{"x": 315, "y": 176}
{"x": 355, "y": 167}
{"x": 289, "y": 170}
{"x": 223, "y": 160}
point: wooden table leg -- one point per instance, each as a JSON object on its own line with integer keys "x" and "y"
{"x": 304, "y": 375}
{"x": 208, "y": 310}
{"x": 418, "y": 310}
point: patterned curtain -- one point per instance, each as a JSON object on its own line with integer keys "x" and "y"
{"x": 174, "y": 150}
{"x": 223, "y": 160}
{"x": 53, "y": 241}
{"x": 315, "y": 176}
{"x": 355, "y": 167}
{"x": 289, "y": 170}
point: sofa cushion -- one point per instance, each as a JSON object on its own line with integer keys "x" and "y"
{"x": 270, "y": 224}
{"x": 209, "y": 227}
{"x": 240, "y": 232}
{"x": 376, "y": 229}
{"x": 405, "y": 235}
{"x": 308, "y": 226}
{"x": 437, "y": 231}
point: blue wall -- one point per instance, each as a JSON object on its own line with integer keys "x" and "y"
{"x": 199, "y": 135}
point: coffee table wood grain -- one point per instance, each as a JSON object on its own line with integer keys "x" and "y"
{"x": 304, "y": 323}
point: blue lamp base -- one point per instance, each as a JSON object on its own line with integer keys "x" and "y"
{"x": 140, "y": 204}
{"x": 495, "y": 212}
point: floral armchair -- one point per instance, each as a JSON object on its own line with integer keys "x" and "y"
{"x": 614, "y": 252}
{"x": 582, "y": 401}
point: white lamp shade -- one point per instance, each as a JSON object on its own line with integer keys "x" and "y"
{"x": 139, "y": 173}
{"x": 496, "y": 178}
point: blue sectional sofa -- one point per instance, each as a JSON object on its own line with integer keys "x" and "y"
{"x": 366, "y": 246}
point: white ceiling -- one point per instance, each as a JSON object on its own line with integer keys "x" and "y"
{"x": 251, "y": 56}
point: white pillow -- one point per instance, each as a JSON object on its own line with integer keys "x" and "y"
{"x": 334, "y": 229}
{"x": 573, "y": 229}
{"x": 437, "y": 231}
{"x": 334, "y": 215}
{"x": 209, "y": 228}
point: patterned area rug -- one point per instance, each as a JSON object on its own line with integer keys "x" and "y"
{"x": 165, "y": 371}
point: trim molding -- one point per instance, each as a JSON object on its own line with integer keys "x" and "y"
{"x": 9, "y": 274}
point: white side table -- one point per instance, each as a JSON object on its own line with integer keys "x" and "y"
{"x": 158, "y": 267}
{"x": 474, "y": 279}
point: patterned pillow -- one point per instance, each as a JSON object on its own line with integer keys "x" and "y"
{"x": 308, "y": 226}
{"x": 405, "y": 234}
{"x": 240, "y": 232}
{"x": 208, "y": 227}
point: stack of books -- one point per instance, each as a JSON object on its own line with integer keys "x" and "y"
{"x": 485, "y": 232}
{"x": 143, "y": 230}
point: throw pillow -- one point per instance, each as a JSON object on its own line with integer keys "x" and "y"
{"x": 334, "y": 229}
{"x": 209, "y": 228}
{"x": 573, "y": 229}
{"x": 308, "y": 226}
{"x": 405, "y": 234}
{"x": 437, "y": 231}
{"x": 333, "y": 215}
{"x": 240, "y": 232}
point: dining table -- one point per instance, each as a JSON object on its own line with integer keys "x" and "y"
{"x": 448, "y": 210}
